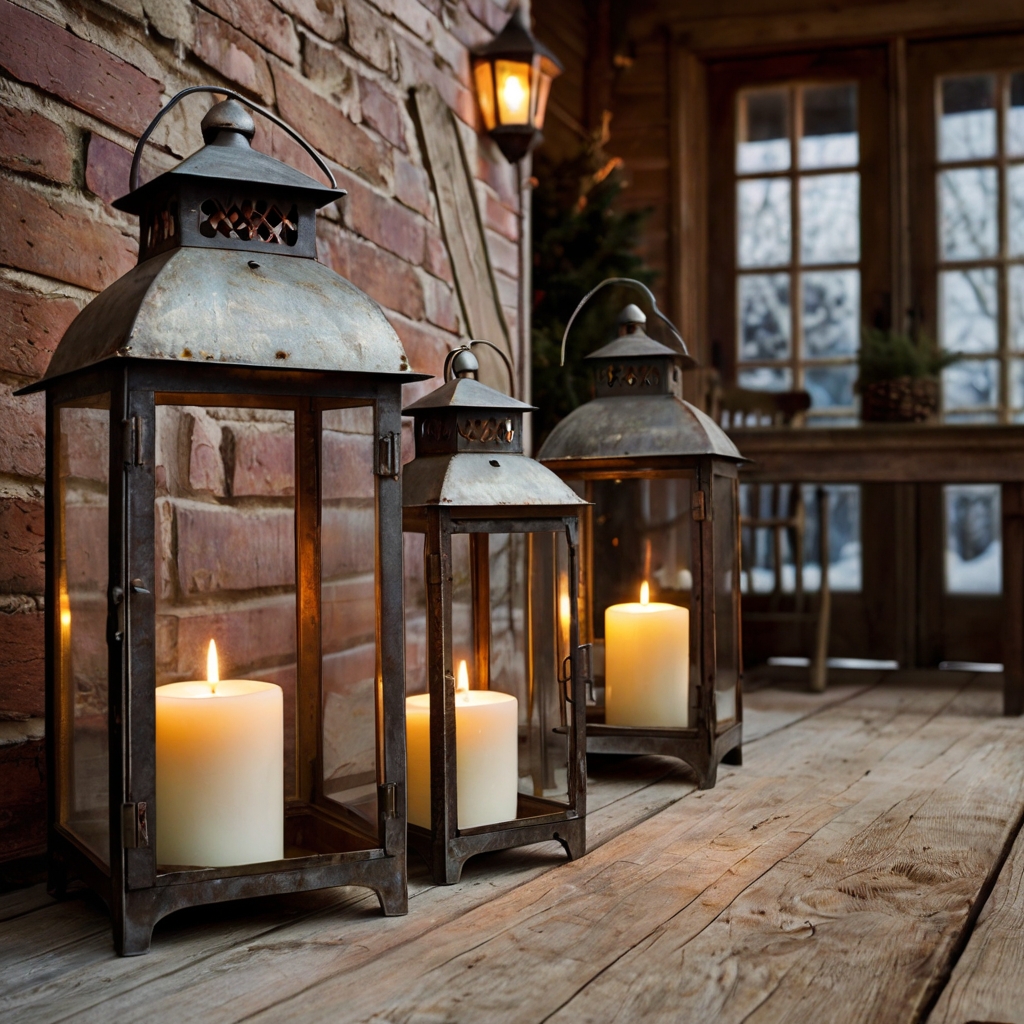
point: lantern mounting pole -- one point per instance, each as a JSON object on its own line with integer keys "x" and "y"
{"x": 231, "y": 94}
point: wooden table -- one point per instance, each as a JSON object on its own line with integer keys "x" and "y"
{"x": 863, "y": 866}
{"x": 914, "y": 453}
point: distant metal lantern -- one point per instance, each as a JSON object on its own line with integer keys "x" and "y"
{"x": 659, "y": 597}
{"x": 513, "y": 75}
{"x": 501, "y": 762}
{"x": 291, "y": 775}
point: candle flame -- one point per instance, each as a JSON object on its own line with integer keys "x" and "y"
{"x": 645, "y": 593}
{"x": 212, "y": 667}
{"x": 65, "y": 611}
{"x": 462, "y": 678}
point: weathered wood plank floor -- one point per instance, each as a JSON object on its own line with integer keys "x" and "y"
{"x": 863, "y": 865}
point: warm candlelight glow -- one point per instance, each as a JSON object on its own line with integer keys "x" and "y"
{"x": 65, "y": 611}
{"x": 514, "y": 94}
{"x": 212, "y": 667}
{"x": 564, "y": 611}
{"x": 462, "y": 678}
{"x": 645, "y": 593}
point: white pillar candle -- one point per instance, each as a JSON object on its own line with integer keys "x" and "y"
{"x": 486, "y": 755}
{"x": 647, "y": 663}
{"x": 219, "y": 771}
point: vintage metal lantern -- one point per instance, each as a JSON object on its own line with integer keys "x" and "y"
{"x": 659, "y": 598}
{"x": 223, "y": 429}
{"x": 513, "y": 75}
{"x": 495, "y": 745}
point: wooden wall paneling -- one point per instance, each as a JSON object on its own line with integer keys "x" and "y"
{"x": 931, "y": 577}
{"x": 689, "y": 221}
{"x": 563, "y": 27}
{"x": 1013, "y": 598}
{"x": 884, "y": 571}
{"x": 732, "y": 25}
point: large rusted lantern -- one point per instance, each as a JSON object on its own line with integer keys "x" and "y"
{"x": 223, "y": 428}
{"x": 496, "y": 750}
{"x": 513, "y": 75}
{"x": 659, "y": 597}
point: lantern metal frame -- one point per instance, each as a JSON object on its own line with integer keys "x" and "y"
{"x": 640, "y": 428}
{"x": 516, "y": 44}
{"x": 256, "y": 306}
{"x": 470, "y": 476}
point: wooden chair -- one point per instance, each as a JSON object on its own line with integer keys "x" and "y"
{"x": 739, "y": 408}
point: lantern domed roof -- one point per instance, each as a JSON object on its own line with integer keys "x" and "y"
{"x": 466, "y": 393}
{"x": 637, "y": 427}
{"x": 220, "y": 305}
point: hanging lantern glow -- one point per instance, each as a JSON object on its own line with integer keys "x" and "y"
{"x": 513, "y": 75}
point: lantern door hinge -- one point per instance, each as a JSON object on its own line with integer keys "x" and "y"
{"x": 388, "y": 454}
{"x": 388, "y": 799}
{"x": 697, "y": 507}
{"x": 134, "y": 826}
{"x": 132, "y": 442}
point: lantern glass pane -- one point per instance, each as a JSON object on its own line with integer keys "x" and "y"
{"x": 513, "y": 80}
{"x": 348, "y": 593}
{"x": 543, "y": 92}
{"x": 509, "y": 630}
{"x": 82, "y": 527}
{"x": 643, "y": 659}
{"x": 225, "y": 572}
{"x": 726, "y": 562}
{"x": 484, "y": 77}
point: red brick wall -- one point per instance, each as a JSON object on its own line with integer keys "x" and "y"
{"x": 78, "y": 83}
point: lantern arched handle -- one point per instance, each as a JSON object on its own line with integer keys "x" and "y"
{"x": 450, "y": 358}
{"x": 231, "y": 94}
{"x": 629, "y": 281}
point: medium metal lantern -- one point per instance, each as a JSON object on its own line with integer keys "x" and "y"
{"x": 222, "y": 464}
{"x": 495, "y": 745}
{"x": 659, "y": 596}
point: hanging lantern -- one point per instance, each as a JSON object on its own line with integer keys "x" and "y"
{"x": 513, "y": 75}
{"x": 659, "y": 597}
{"x": 496, "y": 750}
{"x": 225, "y": 677}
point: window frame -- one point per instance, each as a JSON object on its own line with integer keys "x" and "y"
{"x": 927, "y": 64}
{"x": 868, "y": 67}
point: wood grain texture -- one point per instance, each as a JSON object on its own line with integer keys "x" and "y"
{"x": 987, "y": 983}
{"x": 829, "y": 878}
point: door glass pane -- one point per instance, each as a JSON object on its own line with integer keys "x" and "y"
{"x": 764, "y": 222}
{"x": 974, "y": 557}
{"x": 968, "y": 203}
{"x": 969, "y": 309}
{"x": 830, "y": 386}
{"x": 831, "y": 311}
{"x": 767, "y": 501}
{"x": 1015, "y": 198}
{"x": 967, "y": 126}
{"x": 764, "y": 132}
{"x": 766, "y": 378}
{"x": 764, "y": 316}
{"x": 1015, "y": 276}
{"x": 1015, "y": 116}
{"x": 82, "y": 537}
{"x": 830, "y": 218}
{"x": 970, "y": 385}
{"x": 1016, "y": 388}
{"x": 829, "y": 126}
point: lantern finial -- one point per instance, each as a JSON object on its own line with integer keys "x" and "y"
{"x": 228, "y": 116}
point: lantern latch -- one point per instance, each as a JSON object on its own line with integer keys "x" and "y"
{"x": 388, "y": 449}
{"x": 134, "y": 826}
{"x": 697, "y": 507}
